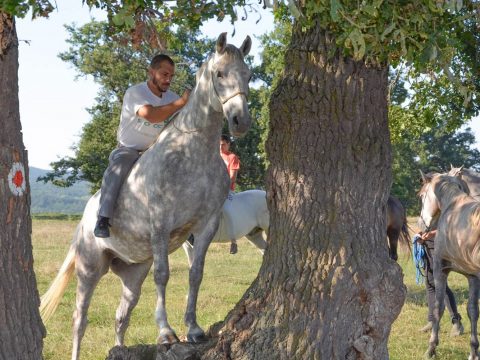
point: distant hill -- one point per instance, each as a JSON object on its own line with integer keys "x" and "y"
{"x": 48, "y": 198}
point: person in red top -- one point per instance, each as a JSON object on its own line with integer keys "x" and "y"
{"x": 232, "y": 162}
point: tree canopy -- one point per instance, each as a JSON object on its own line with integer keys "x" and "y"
{"x": 115, "y": 65}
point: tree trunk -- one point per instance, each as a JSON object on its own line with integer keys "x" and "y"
{"x": 327, "y": 288}
{"x": 21, "y": 329}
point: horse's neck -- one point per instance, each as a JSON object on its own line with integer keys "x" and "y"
{"x": 449, "y": 194}
{"x": 472, "y": 179}
{"x": 203, "y": 113}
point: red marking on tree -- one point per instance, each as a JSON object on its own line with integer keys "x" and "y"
{"x": 18, "y": 178}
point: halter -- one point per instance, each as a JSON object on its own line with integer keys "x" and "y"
{"x": 223, "y": 101}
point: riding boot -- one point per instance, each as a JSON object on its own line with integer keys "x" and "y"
{"x": 457, "y": 327}
{"x": 427, "y": 327}
{"x": 101, "y": 227}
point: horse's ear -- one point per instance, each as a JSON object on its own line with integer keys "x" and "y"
{"x": 221, "y": 43}
{"x": 246, "y": 46}
{"x": 424, "y": 179}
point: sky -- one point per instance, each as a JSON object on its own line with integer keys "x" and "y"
{"x": 53, "y": 101}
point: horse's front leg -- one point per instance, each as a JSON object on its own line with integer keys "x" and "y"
{"x": 472, "y": 309}
{"x": 202, "y": 241}
{"x": 161, "y": 273}
{"x": 440, "y": 278}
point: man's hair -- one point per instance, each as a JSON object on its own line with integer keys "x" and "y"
{"x": 226, "y": 138}
{"x": 160, "y": 58}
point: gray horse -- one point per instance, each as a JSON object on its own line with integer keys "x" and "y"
{"x": 176, "y": 188}
{"x": 457, "y": 245}
{"x": 472, "y": 178}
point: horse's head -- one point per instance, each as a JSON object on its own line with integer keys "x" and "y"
{"x": 434, "y": 189}
{"x": 430, "y": 206}
{"x": 230, "y": 77}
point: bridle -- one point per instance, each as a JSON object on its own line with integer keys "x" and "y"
{"x": 222, "y": 101}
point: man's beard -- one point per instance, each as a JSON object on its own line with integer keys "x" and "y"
{"x": 157, "y": 86}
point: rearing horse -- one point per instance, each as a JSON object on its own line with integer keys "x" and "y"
{"x": 176, "y": 188}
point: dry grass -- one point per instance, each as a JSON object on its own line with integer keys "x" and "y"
{"x": 226, "y": 279}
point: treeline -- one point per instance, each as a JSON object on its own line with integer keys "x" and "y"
{"x": 426, "y": 117}
{"x": 51, "y": 199}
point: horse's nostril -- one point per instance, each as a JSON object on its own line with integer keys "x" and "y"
{"x": 235, "y": 120}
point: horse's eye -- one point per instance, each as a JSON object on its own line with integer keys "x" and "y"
{"x": 219, "y": 74}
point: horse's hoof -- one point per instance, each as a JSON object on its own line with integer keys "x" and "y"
{"x": 430, "y": 354}
{"x": 197, "y": 338}
{"x": 167, "y": 339}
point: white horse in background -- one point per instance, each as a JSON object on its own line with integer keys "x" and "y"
{"x": 159, "y": 206}
{"x": 249, "y": 218}
{"x": 457, "y": 246}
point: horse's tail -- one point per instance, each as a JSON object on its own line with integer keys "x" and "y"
{"x": 51, "y": 299}
{"x": 405, "y": 236}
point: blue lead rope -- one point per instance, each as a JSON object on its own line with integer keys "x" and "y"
{"x": 418, "y": 259}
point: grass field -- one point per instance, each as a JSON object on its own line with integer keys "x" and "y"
{"x": 225, "y": 280}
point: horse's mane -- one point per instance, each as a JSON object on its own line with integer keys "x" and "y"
{"x": 448, "y": 187}
{"x": 475, "y": 217}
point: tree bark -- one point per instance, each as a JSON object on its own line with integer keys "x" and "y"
{"x": 21, "y": 328}
{"x": 327, "y": 288}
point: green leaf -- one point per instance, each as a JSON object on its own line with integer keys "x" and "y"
{"x": 358, "y": 42}
{"x": 129, "y": 21}
{"x": 118, "y": 19}
{"x": 335, "y": 7}
{"x": 387, "y": 31}
{"x": 459, "y": 4}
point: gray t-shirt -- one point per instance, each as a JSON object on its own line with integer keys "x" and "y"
{"x": 136, "y": 132}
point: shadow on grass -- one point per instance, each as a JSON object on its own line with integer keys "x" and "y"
{"x": 417, "y": 295}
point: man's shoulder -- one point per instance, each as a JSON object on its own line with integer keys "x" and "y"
{"x": 140, "y": 87}
{"x": 229, "y": 156}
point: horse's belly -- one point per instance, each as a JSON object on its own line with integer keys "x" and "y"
{"x": 135, "y": 247}
{"x": 130, "y": 250}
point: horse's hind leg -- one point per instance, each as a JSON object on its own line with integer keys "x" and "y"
{"x": 132, "y": 276}
{"x": 393, "y": 235}
{"x": 256, "y": 238}
{"x": 440, "y": 278}
{"x": 89, "y": 272}
{"x": 472, "y": 309}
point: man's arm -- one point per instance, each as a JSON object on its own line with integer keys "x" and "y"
{"x": 158, "y": 114}
{"x": 233, "y": 177}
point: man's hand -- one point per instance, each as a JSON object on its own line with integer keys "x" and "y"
{"x": 429, "y": 235}
{"x": 185, "y": 96}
